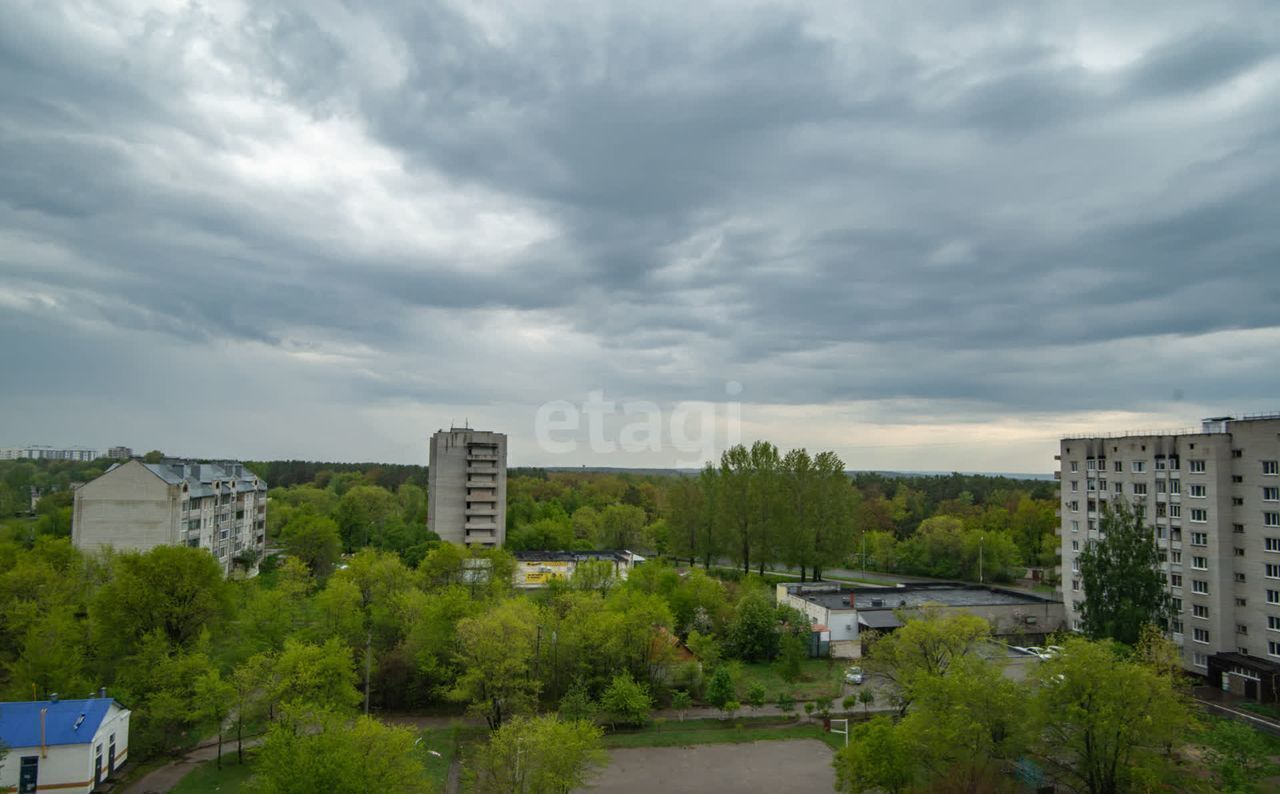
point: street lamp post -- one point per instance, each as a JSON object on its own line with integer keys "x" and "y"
{"x": 981, "y": 579}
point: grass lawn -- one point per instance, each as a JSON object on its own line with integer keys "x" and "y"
{"x": 817, "y": 680}
{"x": 207, "y": 778}
{"x": 673, "y": 733}
{"x": 448, "y": 742}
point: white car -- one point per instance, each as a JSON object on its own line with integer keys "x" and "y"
{"x": 853, "y": 675}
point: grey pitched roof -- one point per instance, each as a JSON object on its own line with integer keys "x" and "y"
{"x": 201, "y": 477}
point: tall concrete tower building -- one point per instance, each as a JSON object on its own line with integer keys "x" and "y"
{"x": 467, "y": 485}
{"x": 1212, "y": 498}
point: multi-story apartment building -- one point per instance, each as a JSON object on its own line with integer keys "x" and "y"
{"x": 47, "y": 453}
{"x": 220, "y": 506}
{"x": 1212, "y": 497}
{"x": 467, "y": 487}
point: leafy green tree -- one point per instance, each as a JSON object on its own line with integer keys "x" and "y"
{"x": 786, "y": 702}
{"x": 52, "y": 656}
{"x": 877, "y": 757}
{"x": 791, "y": 657}
{"x": 721, "y": 689}
{"x": 626, "y": 702}
{"x": 1237, "y": 755}
{"x": 756, "y": 695}
{"x": 1124, "y": 587}
{"x": 621, "y": 526}
{"x": 754, "y": 632}
{"x": 1108, "y": 720}
{"x": 704, "y": 647}
{"x": 215, "y": 698}
{"x": 339, "y": 756}
{"x": 314, "y": 540}
{"x": 866, "y": 697}
{"x": 731, "y": 709}
{"x": 250, "y": 701}
{"x": 311, "y": 677}
{"x": 926, "y": 646}
{"x": 158, "y": 682}
{"x": 536, "y": 755}
{"x": 369, "y": 516}
{"x": 177, "y": 590}
{"x": 681, "y": 702}
{"x": 496, "y": 654}
{"x": 577, "y": 703}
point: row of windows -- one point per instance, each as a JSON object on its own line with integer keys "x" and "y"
{"x": 1270, "y": 468}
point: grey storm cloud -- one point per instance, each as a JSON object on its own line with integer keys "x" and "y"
{"x": 1020, "y": 208}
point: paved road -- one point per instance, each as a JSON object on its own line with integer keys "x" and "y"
{"x": 162, "y": 780}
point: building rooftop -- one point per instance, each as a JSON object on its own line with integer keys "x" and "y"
{"x": 577, "y": 556}
{"x": 205, "y": 478}
{"x": 65, "y": 721}
{"x": 914, "y": 596}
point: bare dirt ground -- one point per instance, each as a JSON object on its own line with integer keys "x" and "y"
{"x": 793, "y": 765}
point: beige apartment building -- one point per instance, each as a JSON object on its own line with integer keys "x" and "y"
{"x": 1212, "y": 497}
{"x": 137, "y": 506}
{"x": 467, "y": 487}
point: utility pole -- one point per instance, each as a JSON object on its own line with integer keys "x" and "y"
{"x": 981, "y": 580}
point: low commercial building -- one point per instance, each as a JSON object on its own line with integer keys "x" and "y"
{"x": 137, "y": 506}
{"x": 538, "y": 568}
{"x": 847, "y": 611}
{"x": 62, "y": 745}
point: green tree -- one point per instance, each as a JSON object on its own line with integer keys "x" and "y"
{"x": 621, "y": 527}
{"x": 866, "y": 697}
{"x": 215, "y": 698}
{"x": 339, "y": 756}
{"x": 626, "y": 702}
{"x": 754, "y": 632}
{"x": 877, "y": 757}
{"x": 369, "y": 516}
{"x": 536, "y": 755}
{"x": 681, "y": 701}
{"x": 1125, "y": 588}
{"x": 314, "y": 540}
{"x": 314, "y": 677}
{"x": 577, "y": 703}
{"x": 791, "y": 657}
{"x": 1108, "y": 720}
{"x": 926, "y": 646}
{"x": 721, "y": 689}
{"x": 496, "y": 654}
{"x": 756, "y": 696}
{"x": 177, "y": 590}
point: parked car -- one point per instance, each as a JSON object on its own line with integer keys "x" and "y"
{"x": 853, "y": 675}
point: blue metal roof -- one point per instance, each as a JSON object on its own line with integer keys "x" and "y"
{"x": 20, "y": 722}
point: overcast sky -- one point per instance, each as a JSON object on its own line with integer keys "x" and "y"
{"x": 926, "y": 235}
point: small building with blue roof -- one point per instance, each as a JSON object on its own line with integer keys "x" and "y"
{"x": 62, "y": 745}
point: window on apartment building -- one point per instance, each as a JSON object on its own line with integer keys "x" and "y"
{"x": 1200, "y": 635}
{"x": 1273, "y": 623}
{"x": 193, "y": 542}
{"x": 1075, "y": 486}
{"x": 1273, "y": 596}
{"x": 1195, "y": 466}
{"x": 1200, "y": 611}
{"x": 1198, "y": 491}
{"x": 1093, "y": 506}
{"x": 1159, "y": 462}
{"x": 1075, "y": 465}
{"x": 1075, "y": 585}
{"x": 1162, "y": 510}
{"x": 1176, "y": 604}
{"x": 1139, "y": 489}
{"x": 1118, "y": 466}
{"x": 1200, "y": 563}
{"x": 1162, "y": 486}
{"x": 1160, "y": 533}
{"x": 1271, "y": 467}
{"x": 1239, "y": 551}
{"x": 1175, "y": 511}
{"x": 1090, "y": 464}
{"x": 1273, "y": 648}
{"x": 1237, "y": 528}
{"x": 1237, "y": 501}
{"x": 1092, "y": 484}
{"x": 1075, "y": 565}
{"x": 1175, "y": 533}
{"x": 1199, "y": 515}
{"x": 1271, "y": 494}
{"x": 1240, "y": 576}
{"x": 1118, "y": 487}
{"x": 1075, "y": 545}
{"x": 1139, "y": 466}
{"x": 1073, "y": 506}
{"x": 1075, "y": 526}
{"x": 1175, "y": 579}
{"x": 1240, "y": 602}
{"x": 1175, "y": 557}
{"x": 1199, "y": 538}
{"x": 1175, "y": 626}
{"x": 1273, "y": 570}
{"x": 1237, "y": 453}
{"x": 1242, "y": 628}
{"x": 1199, "y": 659}
{"x": 1271, "y": 519}
{"x": 1200, "y": 587}
{"x": 1272, "y": 544}
{"x": 1237, "y": 479}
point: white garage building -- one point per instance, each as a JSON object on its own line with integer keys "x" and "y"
{"x": 62, "y": 745}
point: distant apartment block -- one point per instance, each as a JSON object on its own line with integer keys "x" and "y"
{"x": 220, "y": 506}
{"x": 120, "y": 453}
{"x": 467, "y": 484}
{"x": 1212, "y": 497}
{"x": 47, "y": 453}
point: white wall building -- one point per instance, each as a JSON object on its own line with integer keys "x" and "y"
{"x": 221, "y": 507}
{"x": 47, "y": 453}
{"x": 62, "y": 745}
{"x": 467, "y": 487}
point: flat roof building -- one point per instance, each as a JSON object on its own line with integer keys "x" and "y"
{"x": 1212, "y": 498}
{"x": 848, "y": 611}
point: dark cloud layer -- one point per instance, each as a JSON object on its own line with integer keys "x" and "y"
{"x": 1004, "y": 209}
